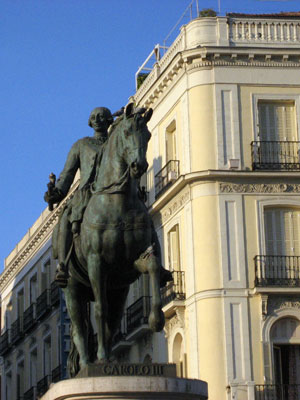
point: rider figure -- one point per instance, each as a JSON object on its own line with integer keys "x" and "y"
{"x": 85, "y": 155}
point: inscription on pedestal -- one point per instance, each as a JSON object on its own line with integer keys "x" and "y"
{"x": 122, "y": 369}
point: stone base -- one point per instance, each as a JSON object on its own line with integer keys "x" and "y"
{"x": 127, "y": 388}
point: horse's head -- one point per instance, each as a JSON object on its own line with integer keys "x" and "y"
{"x": 135, "y": 139}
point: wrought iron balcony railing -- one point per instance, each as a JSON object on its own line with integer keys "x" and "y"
{"x": 4, "y": 342}
{"x": 43, "y": 385}
{"x": 42, "y": 305}
{"x": 277, "y": 271}
{"x": 166, "y": 176}
{"x": 54, "y": 294}
{"x": 277, "y": 392}
{"x": 30, "y": 394}
{"x": 174, "y": 290}
{"x": 275, "y": 155}
{"x": 56, "y": 374}
{"x": 137, "y": 314}
{"x": 29, "y": 318}
{"x": 17, "y": 330}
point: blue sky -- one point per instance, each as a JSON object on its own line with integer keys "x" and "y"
{"x": 58, "y": 60}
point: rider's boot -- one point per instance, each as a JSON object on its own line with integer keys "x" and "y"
{"x": 165, "y": 276}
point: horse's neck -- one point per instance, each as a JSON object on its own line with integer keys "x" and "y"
{"x": 112, "y": 167}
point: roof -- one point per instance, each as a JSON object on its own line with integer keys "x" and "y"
{"x": 292, "y": 14}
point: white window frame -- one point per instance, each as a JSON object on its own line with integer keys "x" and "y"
{"x": 167, "y": 228}
{"x": 172, "y": 119}
{"x": 279, "y": 202}
{"x": 273, "y": 97}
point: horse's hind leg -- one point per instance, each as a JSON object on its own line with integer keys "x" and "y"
{"x": 149, "y": 263}
{"x": 76, "y": 306}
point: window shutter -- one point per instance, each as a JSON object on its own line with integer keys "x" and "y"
{"x": 174, "y": 249}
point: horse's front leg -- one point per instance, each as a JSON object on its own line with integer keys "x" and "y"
{"x": 77, "y": 308}
{"x": 98, "y": 283}
{"x": 148, "y": 262}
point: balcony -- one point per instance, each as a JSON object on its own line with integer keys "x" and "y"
{"x": 17, "y": 330}
{"x": 275, "y": 156}
{"x": 54, "y": 294}
{"x": 120, "y": 343}
{"x": 173, "y": 293}
{"x": 56, "y": 374}
{"x": 4, "y": 343}
{"x": 277, "y": 392}
{"x": 29, "y": 318}
{"x": 43, "y": 385}
{"x": 30, "y": 394}
{"x": 282, "y": 271}
{"x": 137, "y": 317}
{"x": 166, "y": 176}
{"x": 42, "y": 305}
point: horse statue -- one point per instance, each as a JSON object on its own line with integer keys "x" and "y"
{"x": 115, "y": 244}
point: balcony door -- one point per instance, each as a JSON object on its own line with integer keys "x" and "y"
{"x": 277, "y": 133}
{"x": 286, "y": 358}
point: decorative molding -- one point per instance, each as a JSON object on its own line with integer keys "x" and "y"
{"x": 177, "y": 321}
{"x": 276, "y": 303}
{"x": 259, "y": 188}
{"x": 233, "y": 62}
{"x": 173, "y": 206}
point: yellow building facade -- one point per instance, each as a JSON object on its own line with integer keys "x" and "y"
{"x": 223, "y": 190}
{"x": 224, "y": 186}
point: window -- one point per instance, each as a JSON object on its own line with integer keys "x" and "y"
{"x": 282, "y": 231}
{"x": 277, "y": 147}
{"x": 174, "y": 249}
{"x": 285, "y": 338}
{"x": 33, "y": 368}
{"x": 46, "y": 273}
{"x": 20, "y": 302}
{"x": 277, "y": 120}
{"x": 47, "y": 356}
{"x": 171, "y": 142}
{"x": 32, "y": 289}
{"x": 20, "y": 379}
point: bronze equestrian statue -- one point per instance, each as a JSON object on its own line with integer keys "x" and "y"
{"x": 115, "y": 241}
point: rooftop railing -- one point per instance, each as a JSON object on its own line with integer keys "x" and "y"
{"x": 276, "y": 155}
{"x": 227, "y": 32}
{"x": 277, "y": 271}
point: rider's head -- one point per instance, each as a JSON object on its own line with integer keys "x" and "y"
{"x": 100, "y": 119}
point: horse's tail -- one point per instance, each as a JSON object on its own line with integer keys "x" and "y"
{"x": 73, "y": 366}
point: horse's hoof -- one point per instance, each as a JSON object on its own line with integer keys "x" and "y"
{"x": 156, "y": 321}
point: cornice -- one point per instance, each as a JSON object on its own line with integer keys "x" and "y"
{"x": 160, "y": 83}
{"x": 231, "y": 183}
{"x": 34, "y": 243}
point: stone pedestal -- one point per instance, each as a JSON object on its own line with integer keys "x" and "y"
{"x": 127, "y": 388}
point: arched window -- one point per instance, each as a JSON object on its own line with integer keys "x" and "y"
{"x": 285, "y": 340}
{"x": 178, "y": 355}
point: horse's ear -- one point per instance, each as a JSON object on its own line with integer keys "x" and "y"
{"x": 129, "y": 110}
{"x": 148, "y": 115}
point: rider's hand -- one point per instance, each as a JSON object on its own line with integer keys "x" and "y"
{"x": 54, "y": 197}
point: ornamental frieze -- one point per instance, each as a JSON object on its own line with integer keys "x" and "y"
{"x": 172, "y": 207}
{"x": 259, "y": 188}
{"x": 280, "y": 303}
